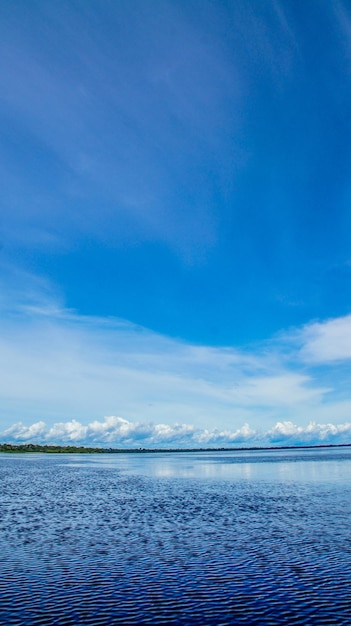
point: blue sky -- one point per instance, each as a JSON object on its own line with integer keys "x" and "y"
{"x": 175, "y": 256}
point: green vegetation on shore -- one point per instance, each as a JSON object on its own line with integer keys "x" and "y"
{"x": 32, "y": 447}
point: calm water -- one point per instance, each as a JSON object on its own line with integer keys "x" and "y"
{"x": 188, "y": 538}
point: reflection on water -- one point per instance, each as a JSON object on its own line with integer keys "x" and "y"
{"x": 257, "y": 537}
{"x": 315, "y": 464}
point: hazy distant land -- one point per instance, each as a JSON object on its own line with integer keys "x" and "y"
{"x": 32, "y": 447}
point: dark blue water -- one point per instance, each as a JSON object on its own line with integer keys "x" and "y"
{"x": 188, "y": 538}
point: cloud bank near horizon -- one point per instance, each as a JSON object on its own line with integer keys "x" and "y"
{"x": 117, "y": 432}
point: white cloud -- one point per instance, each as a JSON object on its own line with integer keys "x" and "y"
{"x": 112, "y": 430}
{"x": 118, "y": 432}
{"x": 21, "y": 432}
{"x": 213, "y": 437}
{"x": 313, "y": 433}
{"x": 326, "y": 342}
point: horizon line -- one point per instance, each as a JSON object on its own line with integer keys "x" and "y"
{"x": 33, "y": 447}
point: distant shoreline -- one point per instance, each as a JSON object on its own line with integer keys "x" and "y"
{"x": 51, "y": 449}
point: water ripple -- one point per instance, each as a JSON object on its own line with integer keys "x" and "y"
{"x": 94, "y": 545}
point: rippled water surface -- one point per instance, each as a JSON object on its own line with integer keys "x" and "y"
{"x": 176, "y": 538}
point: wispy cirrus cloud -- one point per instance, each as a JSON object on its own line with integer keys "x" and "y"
{"x": 58, "y": 363}
{"x": 109, "y": 118}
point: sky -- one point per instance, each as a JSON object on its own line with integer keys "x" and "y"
{"x": 175, "y": 217}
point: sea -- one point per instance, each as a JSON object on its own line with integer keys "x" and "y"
{"x": 260, "y": 537}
